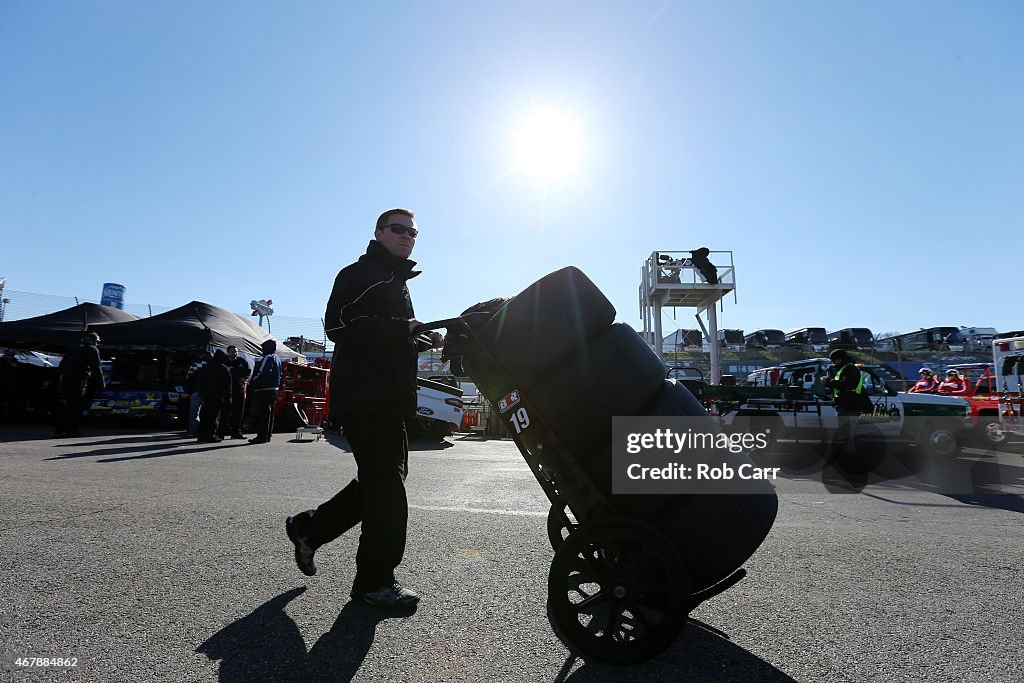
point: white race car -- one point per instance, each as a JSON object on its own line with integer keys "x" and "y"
{"x": 438, "y": 409}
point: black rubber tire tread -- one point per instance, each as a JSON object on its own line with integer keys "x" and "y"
{"x": 672, "y": 400}
{"x": 616, "y": 374}
{"x": 545, "y": 324}
{"x": 718, "y": 532}
{"x": 556, "y": 528}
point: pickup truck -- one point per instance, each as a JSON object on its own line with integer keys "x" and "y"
{"x": 800, "y": 408}
{"x": 985, "y": 401}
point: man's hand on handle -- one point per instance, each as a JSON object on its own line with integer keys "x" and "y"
{"x": 436, "y": 340}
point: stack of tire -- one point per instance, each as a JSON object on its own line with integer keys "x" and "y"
{"x": 558, "y": 344}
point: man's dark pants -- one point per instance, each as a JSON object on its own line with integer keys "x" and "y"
{"x": 70, "y": 412}
{"x": 210, "y": 416}
{"x": 262, "y": 403}
{"x": 376, "y": 498}
{"x": 231, "y": 421}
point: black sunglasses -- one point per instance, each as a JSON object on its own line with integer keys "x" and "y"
{"x": 400, "y": 229}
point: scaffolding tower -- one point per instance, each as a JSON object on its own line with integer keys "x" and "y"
{"x": 671, "y": 279}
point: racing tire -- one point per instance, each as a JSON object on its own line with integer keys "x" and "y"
{"x": 557, "y": 530}
{"x": 616, "y": 374}
{"x": 545, "y": 324}
{"x": 618, "y": 591}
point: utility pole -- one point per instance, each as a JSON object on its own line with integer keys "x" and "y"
{"x": 3, "y": 301}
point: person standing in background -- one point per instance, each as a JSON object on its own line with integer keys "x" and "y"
{"x": 214, "y": 383}
{"x": 195, "y": 401}
{"x": 80, "y": 376}
{"x": 231, "y": 424}
{"x": 266, "y": 380}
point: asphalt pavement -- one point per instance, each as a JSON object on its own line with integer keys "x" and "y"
{"x": 143, "y": 556}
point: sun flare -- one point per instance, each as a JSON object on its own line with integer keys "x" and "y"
{"x": 548, "y": 145}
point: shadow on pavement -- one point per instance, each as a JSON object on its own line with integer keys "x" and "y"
{"x": 108, "y": 451}
{"x": 267, "y": 645}
{"x": 1001, "y": 501}
{"x": 137, "y": 438}
{"x": 338, "y": 654}
{"x": 427, "y": 444}
{"x": 263, "y": 646}
{"x": 179, "y": 451}
{"x": 976, "y": 474}
{"x": 42, "y": 431}
{"x": 701, "y": 653}
{"x": 415, "y": 444}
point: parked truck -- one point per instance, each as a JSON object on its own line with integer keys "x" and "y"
{"x": 1008, "y": 367}
{"x": 800, "y": 408}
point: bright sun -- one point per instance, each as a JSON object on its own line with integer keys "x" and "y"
{"x": 548, "y": 145}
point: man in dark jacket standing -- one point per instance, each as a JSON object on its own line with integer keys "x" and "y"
{"x": 266, "y": 380}
{"x": 373, "y": 389}
{"x": 213, "y": 381}
{"x": 80, "y": 377}
{"x": 231, "y": 424}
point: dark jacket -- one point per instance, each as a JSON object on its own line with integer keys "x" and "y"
{"x": 82, "y": 365}
{"x": 367, "y": 318}
{"x": 192, "y": 375}
{"x": 239, "y": 370}
{"x": 847, "y": 396}
{"x": 213, "y": 380}
{"x": 266, "y": 376}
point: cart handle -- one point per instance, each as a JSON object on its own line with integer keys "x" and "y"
{"x": 447, "y": 323}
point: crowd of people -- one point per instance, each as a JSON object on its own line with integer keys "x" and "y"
{"x": 219, "y": 388}
{"x": 954, "y": 384}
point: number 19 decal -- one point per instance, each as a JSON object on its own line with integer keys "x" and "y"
{"x": 520, "y": 420}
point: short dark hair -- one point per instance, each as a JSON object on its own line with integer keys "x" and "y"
{"x": 382, "y": 220}
{"x": 91, "y": 336}
{"x": 232, "y": 346}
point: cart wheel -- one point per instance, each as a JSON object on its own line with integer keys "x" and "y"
{"x": 557, "y": 531}
{"x": 618, "y": 591}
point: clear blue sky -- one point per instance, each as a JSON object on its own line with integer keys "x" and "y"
{"x": 863, "y": 160}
